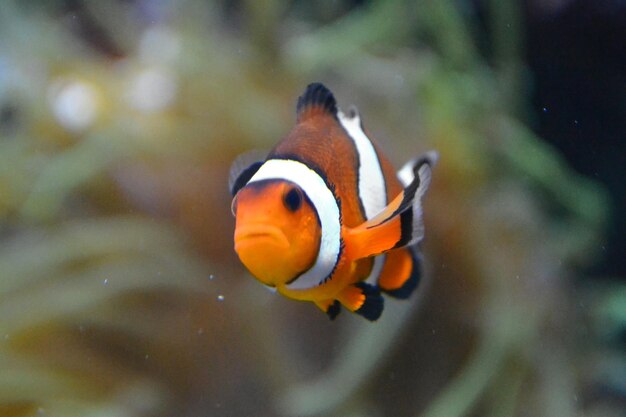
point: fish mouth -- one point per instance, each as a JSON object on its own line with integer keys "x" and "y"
{"x": 260, "y": 234}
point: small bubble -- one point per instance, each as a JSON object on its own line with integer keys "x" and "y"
{"x": 147, "y": 357}
{"x": 41, "y": 411}
{"x": 433, "y": 330}
{"x": 6, "y": 336}
{"x": 211, "y": 277}
{"x": 545, "y": 109}
{"x": 220, "y": 297}
{"x": 575, "y": 122}
{"x": 106, "y": 281}
{"x": 81, "y": 328}
{"x": 200, "y": 330}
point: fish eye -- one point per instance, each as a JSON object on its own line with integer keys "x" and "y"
{"x": 293, "y": 199}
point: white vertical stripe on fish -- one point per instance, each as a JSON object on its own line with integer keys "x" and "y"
{"x": 371, "y": 188}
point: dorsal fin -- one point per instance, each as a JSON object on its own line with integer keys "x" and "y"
{"x": 316, "y": 99}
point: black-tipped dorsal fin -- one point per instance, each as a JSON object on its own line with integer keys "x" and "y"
{"x": 316, "y": 99}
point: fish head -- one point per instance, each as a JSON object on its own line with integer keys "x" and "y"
{"x": 277, "y": 230}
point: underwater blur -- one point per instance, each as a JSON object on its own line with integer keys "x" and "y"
{"x": 120, "y": 291}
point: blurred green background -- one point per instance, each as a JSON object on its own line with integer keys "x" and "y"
{"x": 120, "y": 294}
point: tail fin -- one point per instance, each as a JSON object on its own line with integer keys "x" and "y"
{"x": 400, "y": 223}
{"x": 419, "y": 169}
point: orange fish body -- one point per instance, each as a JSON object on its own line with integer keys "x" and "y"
{"x": 325, "y": 217}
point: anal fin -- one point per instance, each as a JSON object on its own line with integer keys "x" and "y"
{"x": 401, "y": 273}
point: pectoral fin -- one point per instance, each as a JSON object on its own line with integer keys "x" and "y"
{"x": 243, "y": 168}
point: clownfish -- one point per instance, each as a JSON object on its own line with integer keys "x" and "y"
{"x": 324, "y": 217}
